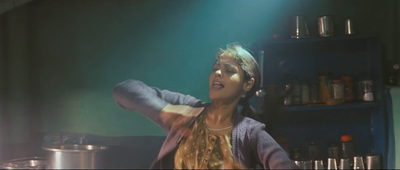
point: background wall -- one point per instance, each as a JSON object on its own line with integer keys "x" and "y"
{"x": 60, "y": 59}
{"x": 396, "y": 125}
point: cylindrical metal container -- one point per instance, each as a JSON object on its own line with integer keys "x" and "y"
{"x": 75, "y": 156}
{"x": 299, "y": 28}
{"x": 358, "y": 162}
{"x": 318, "y": 164}
{"x": 25, "y": 163}
{"x": 348, "y": 27}
{"x": 373, "y": 161}
{"x": 325, "y": 26}
{"x": 331, "y": 164}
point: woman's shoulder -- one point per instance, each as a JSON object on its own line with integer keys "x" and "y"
{"x": 244, "y": 122}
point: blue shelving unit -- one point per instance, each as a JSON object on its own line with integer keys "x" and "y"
{"x": 356, "y": 56}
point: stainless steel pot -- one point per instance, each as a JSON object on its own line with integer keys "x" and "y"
{"x": 25, "y": 163}
{"x": 75, "y": 156}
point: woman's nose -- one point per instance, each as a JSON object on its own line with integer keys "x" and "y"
{"x": 218, "y": 73}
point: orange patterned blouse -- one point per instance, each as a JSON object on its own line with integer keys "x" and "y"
{"x": 203, "y": 150}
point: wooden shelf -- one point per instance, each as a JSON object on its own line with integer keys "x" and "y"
{"x": 313, "y": 39}
{"x": 322, "y": 107}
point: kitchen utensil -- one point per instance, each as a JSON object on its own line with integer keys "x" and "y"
{"x": 75, "y": 156}
{"x": 348, "y": 27}
{"x": 325, "y": 26}
{"x": 299, "y": 163}
{"x": 304, "y": 164}
{"x": 344, "y": 163}
{"x": 299, "y": 28}
{"x": 331, "y": 164}
{"x": 25, "y": 163}
{"x": 373, "y": 161}
{"x": 358, "y": 162}
{"x": 318, "y": 164}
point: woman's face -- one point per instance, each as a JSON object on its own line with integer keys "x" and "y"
{"x": 226, "y": 81}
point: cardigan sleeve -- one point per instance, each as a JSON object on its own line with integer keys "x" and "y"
{"x": 136, "y": 96}
{"x": 268, "y": 152}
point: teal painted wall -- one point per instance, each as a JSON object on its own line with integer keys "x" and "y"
{"x": 82, "y": 49}
{"x": 395, "y": 92}
{"x": 64, "y": 57}
{"x": 79, "y": 50}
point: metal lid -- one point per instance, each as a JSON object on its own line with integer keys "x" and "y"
{"x": 75, "y": 148}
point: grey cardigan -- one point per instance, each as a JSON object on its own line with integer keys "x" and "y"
{"x": 251, "y": 144}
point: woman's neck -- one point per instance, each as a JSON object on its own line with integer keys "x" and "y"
{"x": 220, "y": 114}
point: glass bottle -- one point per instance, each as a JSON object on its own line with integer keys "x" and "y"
{"x": 324, "y": 80}
{"x": 337, "y": 92}
{"x": 348, "y": 150}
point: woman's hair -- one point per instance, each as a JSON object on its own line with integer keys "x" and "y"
{"x": 251, "y": 70}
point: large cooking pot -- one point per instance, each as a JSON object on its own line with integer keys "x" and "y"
{"x": 75, "y": 156}
{"x": 25, "y": 163}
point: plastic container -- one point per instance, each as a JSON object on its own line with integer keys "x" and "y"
{"x": 336, "y": 92}
{"x": 324, "y": 86}
{"x": 348, "y": 150}
{"x": 368, "y": 90}
{"x": 365, "y": 89}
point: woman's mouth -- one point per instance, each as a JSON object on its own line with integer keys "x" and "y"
{"x": 217, "y": 85}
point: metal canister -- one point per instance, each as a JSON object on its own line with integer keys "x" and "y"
{"x": 365, "y": 90}
{"x": 325, "y": 26}
{"x": 348, "y": 27}
{"x": 25, "y": 163}
{"x": 75, "y": 156}
{"x": 373, "y": 161}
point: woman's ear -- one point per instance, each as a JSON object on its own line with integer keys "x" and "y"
{"x": 248, "y": 84}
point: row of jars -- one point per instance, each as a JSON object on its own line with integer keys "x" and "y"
{"x": 328, "y": 90}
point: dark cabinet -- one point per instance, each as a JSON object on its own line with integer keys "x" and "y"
{"x": 321, "y": 124}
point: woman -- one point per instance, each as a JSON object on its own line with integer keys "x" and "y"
{"x": 209, "y": 135}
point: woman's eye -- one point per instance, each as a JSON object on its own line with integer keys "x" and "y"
{"x": 230, "y": 71}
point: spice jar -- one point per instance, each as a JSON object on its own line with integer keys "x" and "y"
{"x": 324, "y": 86}
{"x": 365, "y": 88}
{"x": 368, "y": 90}
{"x": 348, "y": 88}
{"x": 314, "y": 93}
{"x": 337, "y": 92}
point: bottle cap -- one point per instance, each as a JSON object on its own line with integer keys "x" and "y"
{"x": 345, "y": 138}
